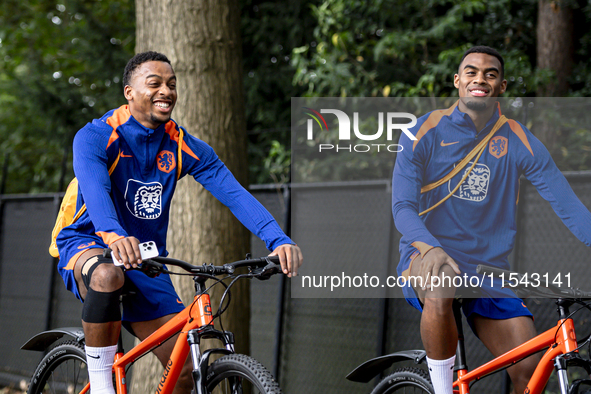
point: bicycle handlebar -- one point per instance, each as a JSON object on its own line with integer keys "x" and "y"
{"x": 549, "y": 290}
{"x": 261, "y": 268}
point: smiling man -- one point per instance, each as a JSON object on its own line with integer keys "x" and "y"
{"x": 127, "y": 164}
{"x": 476, "y": 222}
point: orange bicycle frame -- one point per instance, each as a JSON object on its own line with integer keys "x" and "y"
{"x": 194, "y": 316}
{"x": 559, "y": 340}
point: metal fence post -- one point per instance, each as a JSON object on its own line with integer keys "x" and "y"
{"x": 2, "y": 190}
{"x": 57, "y": 199}
{"x": 383, "y": 328}
{"x": 279, "y": 318}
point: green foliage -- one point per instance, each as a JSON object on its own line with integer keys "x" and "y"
{"x": 412, "y": 48}
{"x": 61, "y": 63}
{"x": 60, "y": 66}
{"x": 270, "y": 30}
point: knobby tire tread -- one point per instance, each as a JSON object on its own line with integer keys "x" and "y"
{"x": 408, "y": 377}
{"x": 239, "y": 365}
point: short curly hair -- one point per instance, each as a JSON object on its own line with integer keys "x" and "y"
{"x": 489, "y": 51}
{"x": 137, "y": 60}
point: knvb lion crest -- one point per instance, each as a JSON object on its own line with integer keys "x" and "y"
{"x": 144, "y": 200}
{"x": 166, "y": 161}
{"x": 498, "y": 146}
{"x": 475, "y": 187}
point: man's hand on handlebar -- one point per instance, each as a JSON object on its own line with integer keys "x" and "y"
{"x": 290, "y": 258}
{"x": 127, "y": 252}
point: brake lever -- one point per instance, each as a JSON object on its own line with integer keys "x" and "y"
{"x": 264, "y": 273}
{"x": 151, "y": 268}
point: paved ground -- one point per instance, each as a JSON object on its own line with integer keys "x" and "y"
{"x": 12, "y": 390}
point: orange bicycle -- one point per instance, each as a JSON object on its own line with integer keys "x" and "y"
{"x": 560, "y": 342}
{"x": 63, "y": 369}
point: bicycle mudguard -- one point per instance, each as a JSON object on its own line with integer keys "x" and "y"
{"x": 200, "y": 373}
{"x": 366, "y": 371}
{"x": 41, "y": 341}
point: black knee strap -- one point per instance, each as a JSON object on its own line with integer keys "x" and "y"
{"x": 90, "y": 265}
{"x": 101, "y": 307}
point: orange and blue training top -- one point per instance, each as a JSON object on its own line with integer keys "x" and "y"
{"x": 477, "y": 224}
{"x": 135, "y": 199}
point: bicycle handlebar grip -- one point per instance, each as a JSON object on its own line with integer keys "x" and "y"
{"x": 260, "y": 262}
{"x": 485, "y": 269}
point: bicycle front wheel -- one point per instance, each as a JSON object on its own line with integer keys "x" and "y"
{"x": 240, "y": 374}
{"x": 405, "y": 380}
{"x": 62, "y": 371}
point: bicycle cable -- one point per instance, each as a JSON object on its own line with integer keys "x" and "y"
{"x": 588, "y": 338}
{"x": 585, "y": 306}
{"x": 216, "y": 281}
{"x": 221, "y": 307}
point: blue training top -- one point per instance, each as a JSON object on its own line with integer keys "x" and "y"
{"x": 477, "y": 224}
{"x": 135, "y": 199}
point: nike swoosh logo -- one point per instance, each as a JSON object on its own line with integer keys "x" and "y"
{"x": 91, "y": 356}
{"x": 179, "y": 301}
{"x": 124, "y": 155}
{"x": 442, "y": 143}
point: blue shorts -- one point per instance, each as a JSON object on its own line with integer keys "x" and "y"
{"x": 145, "y": 298}
{"x": 149, "y": 298}
{"x": 505, "y": 305}
{"x": 492, "y": 308}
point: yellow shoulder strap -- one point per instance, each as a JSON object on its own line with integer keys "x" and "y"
{"x": 83, "y": 207}
{"x": 112, "y": 168}
{"x": 179, "y": 155}
{"x": 478, "y": 149}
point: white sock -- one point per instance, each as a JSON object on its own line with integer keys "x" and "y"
{"x": 100, "y": 366}
{"x": 442, "y": 374}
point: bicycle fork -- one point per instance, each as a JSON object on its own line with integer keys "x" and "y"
{"x": 206, "y": 330}
{"x": 561, "y": 363}
{"x": 201, "y": 360}
{"x": 560, "y": 366}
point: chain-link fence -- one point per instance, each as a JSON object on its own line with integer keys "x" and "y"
{"x": 310, "y": 343}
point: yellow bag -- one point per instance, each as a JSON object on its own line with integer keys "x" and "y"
{"x": 67, "y": 213}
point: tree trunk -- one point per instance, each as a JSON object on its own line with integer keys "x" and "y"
{"x": 202, "y": 40}
{"x": 555, "y": 44}
{"x": 555, "y": 51}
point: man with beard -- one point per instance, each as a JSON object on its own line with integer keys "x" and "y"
{"x": 476, "y": 224}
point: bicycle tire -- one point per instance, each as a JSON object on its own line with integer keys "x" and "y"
{"x": 237, "y": 374}
{"x": 63, "y": 370}
{"x": 405, "y": 380}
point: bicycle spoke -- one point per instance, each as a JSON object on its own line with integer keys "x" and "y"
{"x": 52, "y": 385}
{"x": 65, "y": 377}
{"x": 75, "y": 389}
{"x": 235, "y": 385}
